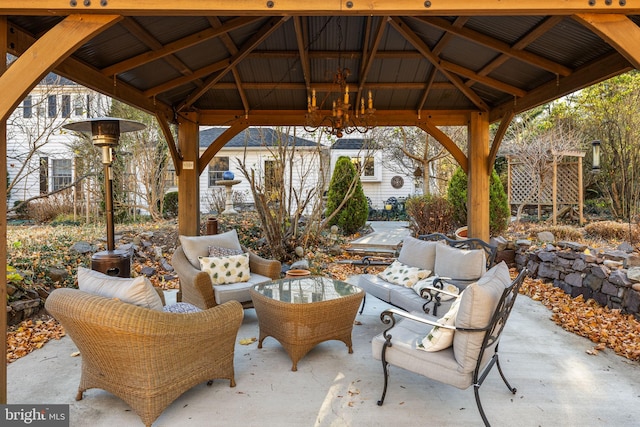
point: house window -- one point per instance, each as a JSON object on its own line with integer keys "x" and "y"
{"x": 52, "y": 106}
{"x": 217, "y": 167}
{"x": 27, "y": 107}
{"x": 44, "y": 175}
{"x": 66, "y": 106}
{"x": 366, "y": 167}
{"x": 78, "y": 108}
{"x": 61, "y": 173}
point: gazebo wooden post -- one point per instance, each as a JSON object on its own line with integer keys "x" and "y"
{"x": 478, "y": 176}
{"x": 189, "y": 178}
{"x": 50, "y": 49}
{"x": 3, "y": 217}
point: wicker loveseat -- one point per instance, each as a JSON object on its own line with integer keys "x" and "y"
{"x": 196, "y": 286}
{"x": 146, "y": 357}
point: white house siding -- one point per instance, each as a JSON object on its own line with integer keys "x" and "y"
{"x": 21, "y": 130}
{"x": 378, "y": 188}
{"x": 307, "y": 160}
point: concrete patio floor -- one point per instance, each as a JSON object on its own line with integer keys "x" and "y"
{"x": 558, "y": 383}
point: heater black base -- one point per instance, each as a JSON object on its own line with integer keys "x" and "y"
{"x": 115, "y": 263}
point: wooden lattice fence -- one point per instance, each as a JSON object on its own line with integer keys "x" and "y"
{"x": 527, "y": 187}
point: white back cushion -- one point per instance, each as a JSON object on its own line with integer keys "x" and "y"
{"x": 198, "y": 246}
{"x": 137, "y": 291}
{"x": 459, "y": 264}
{"x": 418, "y": 253}
{"x": 477, "y": 304}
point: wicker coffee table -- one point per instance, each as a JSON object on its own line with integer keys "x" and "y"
{"x": 303, "y": 312}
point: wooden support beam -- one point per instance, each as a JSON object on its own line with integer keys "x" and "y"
{"x": 497, "y": 45}
{"x": 189, "y": 180}
{"x": 297, "y": 117}
{"x": 368, "y": 55}
{"x": 330, "y": 7}
{"x": 72, "y": 68}
{"x": 220, "y": 141}
{"x": 447, "y": 143}
{"x": 497, "y": 139}
{"x": 268, "y": 29}
{"x": 544, "y": 26}
{"x": 177, "y": 45}
{"x": 595, "y": 72}
{"x": 176, "y": 157}
{"x": 617, "y": 30}
{"x": 478, "y": 177}
{"x": 301, "y": 28}
{"x": 45, "y": 54}
{"x": 419, "y": 44}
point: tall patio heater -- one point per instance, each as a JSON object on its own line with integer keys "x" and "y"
{"x": 105, "y": 132}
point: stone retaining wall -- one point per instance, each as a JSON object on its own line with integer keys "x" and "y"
{"x": 611, "y": 278}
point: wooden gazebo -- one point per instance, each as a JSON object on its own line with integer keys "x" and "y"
{"x": 256, "y": 63}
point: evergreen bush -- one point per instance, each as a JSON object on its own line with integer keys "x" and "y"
{"x": 499, "y": 211}
{"x": 353, "y": 214}
{"x": 170, "y": 205}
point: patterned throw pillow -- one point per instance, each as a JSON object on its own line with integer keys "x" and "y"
{"x": 401, "y": 274}
{"x": 218, "y": 251}
{"x": 440, "y": 338}
{"x": 181, "y": 308}
{"x": 224, "y": 270}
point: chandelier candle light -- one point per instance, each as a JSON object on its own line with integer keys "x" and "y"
{"x": 343, "y": 118}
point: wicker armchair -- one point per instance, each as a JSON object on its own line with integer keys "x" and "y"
{"x": 196, "y": 287}
{"x": 145, "y": 357}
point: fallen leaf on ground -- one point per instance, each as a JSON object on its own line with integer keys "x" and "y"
{"x": 247, "y": 341}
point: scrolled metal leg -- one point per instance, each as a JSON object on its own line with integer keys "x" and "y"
{"x": 364, "y": 301}
{"x": 476, "y": 389}
{"x": 385, "y": 368}
{"x": 511, "y": 389}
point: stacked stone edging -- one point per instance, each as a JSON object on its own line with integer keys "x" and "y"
{"x": 610, "y": 277}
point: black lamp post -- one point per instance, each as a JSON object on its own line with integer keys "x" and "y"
{"x": 105, "y": 132}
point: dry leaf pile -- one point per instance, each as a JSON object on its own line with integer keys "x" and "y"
{"x": 607, "y": 328}
{"x": 31, "y": 335}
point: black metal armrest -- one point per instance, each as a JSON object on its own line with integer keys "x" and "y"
{"x": 372, "y": 261}
{"x": 389, "y": 317}
{"x": 428, "y": 291}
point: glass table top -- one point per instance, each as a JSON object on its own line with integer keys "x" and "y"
{"x": 306, "y": 289}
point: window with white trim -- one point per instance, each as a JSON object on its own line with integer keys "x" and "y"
{"x": 368, "y": 168}
{"x": 61, "y": 173}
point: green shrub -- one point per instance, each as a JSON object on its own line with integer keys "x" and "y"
{"x": 353, "y": 214}
{"x": 429, "y": 214}
{"x": 171, "y": 204}
{"x": 499, "y": 211}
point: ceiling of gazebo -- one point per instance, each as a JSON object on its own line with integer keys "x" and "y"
{"x": 264, "y": 67}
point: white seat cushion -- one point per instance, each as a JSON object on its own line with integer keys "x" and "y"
{"x": 238, "y": 291}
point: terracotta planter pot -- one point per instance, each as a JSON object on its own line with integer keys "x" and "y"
{"x": 298, "y": 273}
{"x": 461, "y": 233}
